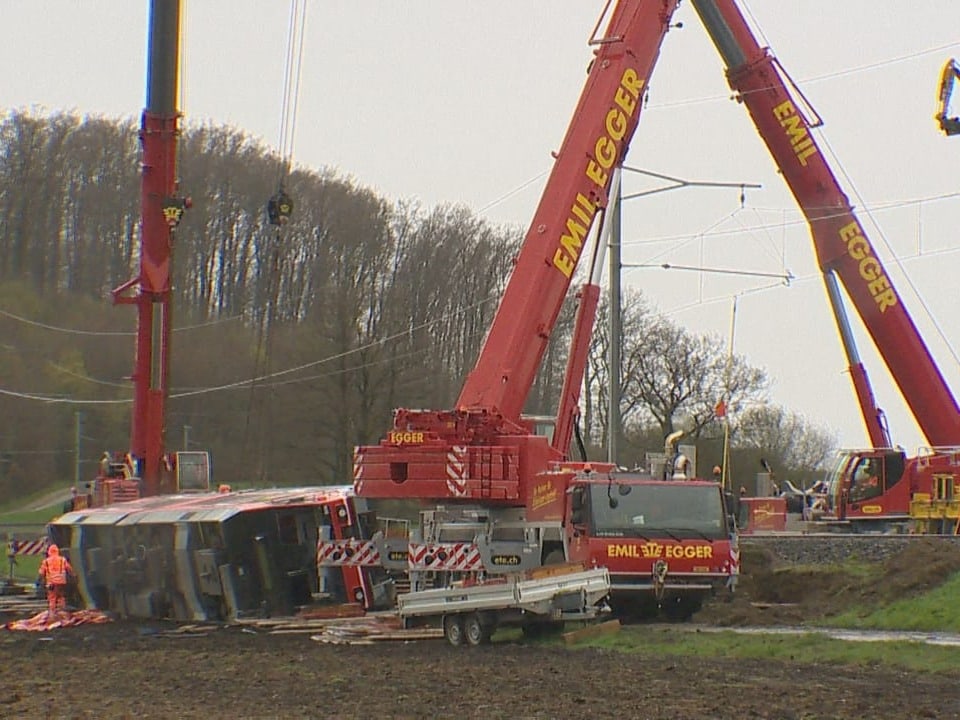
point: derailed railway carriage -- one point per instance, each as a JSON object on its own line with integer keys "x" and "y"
{"x": 216, "y": 556}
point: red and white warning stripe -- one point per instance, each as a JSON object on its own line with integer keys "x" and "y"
{"x": 735, "y": 557}
{"x": 27, "y": 547}
{"x": 348, "y": 552}
{"x": 457, "y": 470}
{"x": 357, "y": 469}
{"x": 460, "y": 557}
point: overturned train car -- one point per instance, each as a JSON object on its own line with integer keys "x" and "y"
{"x": 217, "y": 556}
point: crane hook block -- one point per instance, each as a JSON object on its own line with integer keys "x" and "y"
{"x": 279, "y": 208}
{"x": 173, "y": 208}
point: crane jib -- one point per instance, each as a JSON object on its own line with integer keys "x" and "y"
{"x": 605, "y": 152}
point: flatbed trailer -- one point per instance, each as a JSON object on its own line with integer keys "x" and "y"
{"x": 469, "y": 614}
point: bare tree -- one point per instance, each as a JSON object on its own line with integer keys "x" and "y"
{"x": 672, "y": 373}
{"x": 786, "y": 439}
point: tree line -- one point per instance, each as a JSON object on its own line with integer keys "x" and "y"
{"x": 291, "y": 345}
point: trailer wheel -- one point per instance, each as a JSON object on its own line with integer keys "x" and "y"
{"x": 476, "y": 631}
{"x": 453, "y": 629}
{"x": 680, "y": 609}
{"x": 541, "y": 629}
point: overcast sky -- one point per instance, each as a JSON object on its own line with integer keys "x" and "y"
{"x": 462, "y": 102}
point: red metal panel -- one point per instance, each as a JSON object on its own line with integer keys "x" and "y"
{"x": 489, "y": 473}
{"x": 765, "y": 514}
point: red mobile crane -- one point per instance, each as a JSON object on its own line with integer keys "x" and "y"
{"x": 875, "y": 486}
{"x": 147, "y": 469}
{"x": 503, "y": 498}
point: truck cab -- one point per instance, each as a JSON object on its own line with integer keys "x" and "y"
{"x": 869, "y": 488}
{"x": 668, "y": 545}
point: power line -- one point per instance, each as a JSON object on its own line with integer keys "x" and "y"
{"x": 815, "y": 78}
{"x": 108, "y": 333}
{"x": 800, "y": 222}
{"x": 60, "y": 399}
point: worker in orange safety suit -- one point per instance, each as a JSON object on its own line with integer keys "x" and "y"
{"x": 54, "y": 570}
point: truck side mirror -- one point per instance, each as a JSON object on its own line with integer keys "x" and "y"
{"x": 730, "y": 506}
{"x": 578, "y": 506}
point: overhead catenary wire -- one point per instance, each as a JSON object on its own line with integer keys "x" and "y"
{"x": 293, "y": 65}
{"x": 868, "y": 67}
{"x": 799, "y": 222}
{"x": 886, "y": 242}
{"x": 279, "y": 211}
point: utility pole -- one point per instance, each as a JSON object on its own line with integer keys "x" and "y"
{"x": 186, "y": 437}
{"x": 77, "y": 428}
{"x": 613, "y": 411}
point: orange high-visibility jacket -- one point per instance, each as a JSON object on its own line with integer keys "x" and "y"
{"x": 55, "y": 567}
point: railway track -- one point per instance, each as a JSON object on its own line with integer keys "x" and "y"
{"x": 834, "y": 547}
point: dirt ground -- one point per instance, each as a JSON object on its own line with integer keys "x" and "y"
{"x": 774, "y": 593}
{"x": 142, "y": 670}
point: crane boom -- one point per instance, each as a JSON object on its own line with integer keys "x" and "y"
{"x": 484, "y": 449}
{"x": 841, "y": 244}
{"x": 160, "y": 211}
{"x": 605, "y": 119}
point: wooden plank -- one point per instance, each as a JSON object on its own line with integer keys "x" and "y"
{"x": 408, "y": 635}
{"x": 610, "y": 627}
{"x": 333, "y": 611}
{"x": 554, "y": 570}
{"x": 293, "y": 623}
{"x": 767, "y": 605}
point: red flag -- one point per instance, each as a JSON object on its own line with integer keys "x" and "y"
{"x": 720, "y": 409}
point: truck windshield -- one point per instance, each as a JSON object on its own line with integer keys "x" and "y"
{"x": 834, "y": 479}
{"x": 661, "y": 509}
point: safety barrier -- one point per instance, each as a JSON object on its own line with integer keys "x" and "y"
{"x": 27, "y": 547}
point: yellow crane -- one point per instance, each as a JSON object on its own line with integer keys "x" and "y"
{"x": 948, "y": 78}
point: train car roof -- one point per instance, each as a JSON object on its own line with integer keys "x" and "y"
{"x": 202, "y": 507}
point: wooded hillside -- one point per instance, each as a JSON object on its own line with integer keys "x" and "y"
{"x": 290, "y": 347}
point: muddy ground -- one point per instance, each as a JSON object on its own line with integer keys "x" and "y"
{"x": 143, "y": 670}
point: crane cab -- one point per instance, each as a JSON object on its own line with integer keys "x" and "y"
{"x": 869, "y": 486}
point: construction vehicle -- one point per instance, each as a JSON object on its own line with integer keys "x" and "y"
{"x": 949, "y": 76}
{"x": 498, "y": 496}
{"x": 870, "y": 488}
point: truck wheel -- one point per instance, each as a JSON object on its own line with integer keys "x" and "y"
{"x": 532, "y": 631}
{"x": 475, "y": 630}
{"x": 681, "y": 609}
{"x": 453, "y": 629}
{"x": 554, "y": 557}
{"x": 634, "y": 609}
